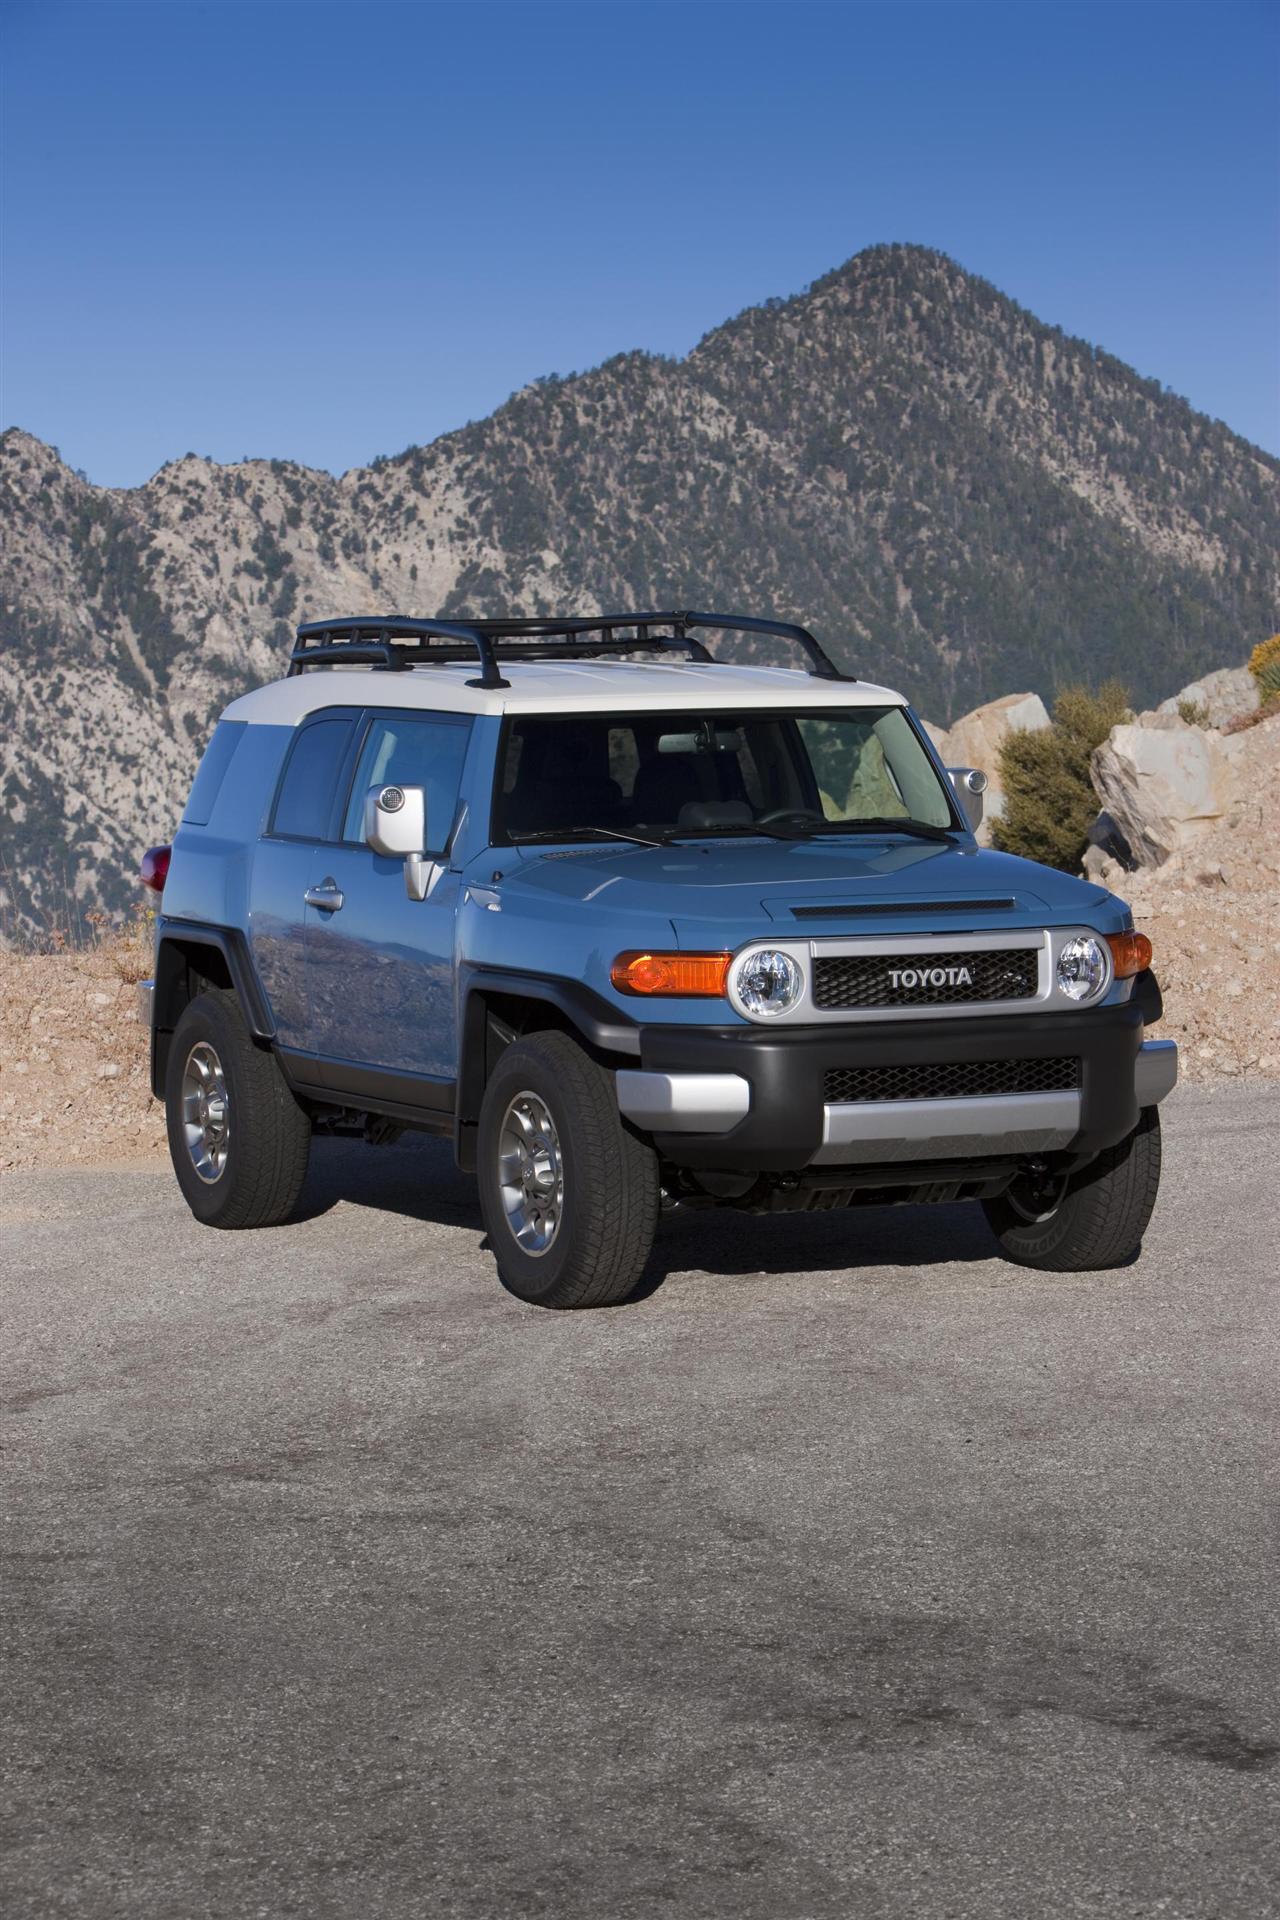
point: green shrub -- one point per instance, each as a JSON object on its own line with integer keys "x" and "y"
{"x": 1264, "y": 665}
{"x": 1049, "y": 801}
{"x": 1193, "y": 712}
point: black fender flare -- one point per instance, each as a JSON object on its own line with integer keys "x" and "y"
{"x": 181, "y": 947}
{"x": 1147, "y": 995}
{"x": 581, "y": 1009}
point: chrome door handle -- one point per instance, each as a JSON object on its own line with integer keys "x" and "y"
{"x": 328, "y": 896}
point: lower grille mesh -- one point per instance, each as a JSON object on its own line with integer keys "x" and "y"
{"x": 956, "y": 1080}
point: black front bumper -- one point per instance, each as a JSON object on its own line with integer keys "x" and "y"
{"x": 787, "y": 1071}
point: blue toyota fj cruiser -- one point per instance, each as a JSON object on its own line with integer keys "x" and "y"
{"x": 632, "y": 927}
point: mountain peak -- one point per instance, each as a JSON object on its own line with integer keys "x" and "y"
{"x": 957, "y": 497}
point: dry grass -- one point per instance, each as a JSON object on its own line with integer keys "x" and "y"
{"x": 67, "y": 927}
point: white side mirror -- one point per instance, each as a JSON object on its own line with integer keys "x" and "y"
{"x": 395, "y": 824}
{"x": 970, "y": 784}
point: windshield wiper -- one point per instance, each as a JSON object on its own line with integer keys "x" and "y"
{"x": 567, "y": 835}
{"x": 755, "y": 830}
{"x": 921, "y": 829}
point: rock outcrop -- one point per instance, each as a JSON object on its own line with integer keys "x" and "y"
{"x": 976, "y": 740}
{"x": 1164, "y": 783}
{"x": 1211, "y": 911}
{"x": 1229, "y": 694}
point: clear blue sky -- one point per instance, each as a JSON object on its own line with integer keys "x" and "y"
{"x": 325, "y": 231}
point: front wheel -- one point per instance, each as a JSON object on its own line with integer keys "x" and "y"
{"x": 1088, "y": 1220}
{"x": 569, "y": 1195}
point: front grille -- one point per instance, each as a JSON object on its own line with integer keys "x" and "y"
{"x": 953, "y": 1080}
{"x": 925, "y": 979}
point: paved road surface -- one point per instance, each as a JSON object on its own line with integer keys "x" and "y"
{"x": 852, "y": 1572}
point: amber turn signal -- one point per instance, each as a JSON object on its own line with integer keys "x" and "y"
{"x": 671, "y": 973}
{"x": 1130, "y": 953}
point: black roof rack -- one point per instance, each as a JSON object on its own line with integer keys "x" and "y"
{"x": 391, "y": 642}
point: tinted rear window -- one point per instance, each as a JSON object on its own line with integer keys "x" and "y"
{"x": 227, "y": 736}
{"x": 305, "y": 802}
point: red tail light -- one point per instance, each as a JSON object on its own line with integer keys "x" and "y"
{"x": 154, "y": 870}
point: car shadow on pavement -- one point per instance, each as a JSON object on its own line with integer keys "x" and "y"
{"x": 722, "y": 1241}
{"x": 414, "y": 1176}
{"x": 417, "y": 1179}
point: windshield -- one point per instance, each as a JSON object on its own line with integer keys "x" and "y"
{"x": 655, "y": 775}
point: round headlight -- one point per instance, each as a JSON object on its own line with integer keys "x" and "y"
{"x": 1082, "y": 967}
{"x": 767, "y": 982}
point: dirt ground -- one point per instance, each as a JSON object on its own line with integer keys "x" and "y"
{"x": 73, "y": 1059}
{"x": 73, "y": 1056}
{"x": 1213, "y": 915}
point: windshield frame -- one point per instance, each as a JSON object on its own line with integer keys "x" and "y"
{"x": 622, "y": 715}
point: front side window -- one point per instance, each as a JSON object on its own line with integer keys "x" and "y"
{"x": 412, "y": 750}
{"x": 831, "y": 770}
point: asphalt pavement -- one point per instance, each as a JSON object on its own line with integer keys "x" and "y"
{"x": 849, "y": 1571}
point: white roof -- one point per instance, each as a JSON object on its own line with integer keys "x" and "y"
{"x": 562, "y": 686}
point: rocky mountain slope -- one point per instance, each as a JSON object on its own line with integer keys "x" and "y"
{"x": 957, "y": 497}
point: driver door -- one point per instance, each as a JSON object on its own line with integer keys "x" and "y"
{"x": 380, "y": 965}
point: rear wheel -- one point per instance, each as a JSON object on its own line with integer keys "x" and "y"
{"x": 238, "y": 1139}
{"x": 1088, "y": 1220}
{"x": 569, "y": 1196}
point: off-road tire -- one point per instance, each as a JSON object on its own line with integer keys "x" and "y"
{"x": 269, "y": 1136}
{"x": 1102, "y": 1216}
{"x": 611, "y": 1189}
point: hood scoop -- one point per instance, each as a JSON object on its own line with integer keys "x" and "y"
{"x": 840, "y": 910}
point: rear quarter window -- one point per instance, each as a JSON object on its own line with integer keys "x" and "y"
{"x": 211, "y": 772}
{"x": 309, "y": 787}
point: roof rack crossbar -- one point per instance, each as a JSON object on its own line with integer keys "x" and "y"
{"x": 394, "y": 642}
{"x": 341, "y": 642}
{"x": 821, "y": 665}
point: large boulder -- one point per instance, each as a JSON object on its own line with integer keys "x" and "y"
{"x": 1164, "y": 783}
{"x": 975, "y": 741}
{"x": 1229, "y": 694}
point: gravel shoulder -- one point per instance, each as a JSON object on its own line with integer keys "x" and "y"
{"x": 1213, "y": 914}
{"x": 851, "y": 1571}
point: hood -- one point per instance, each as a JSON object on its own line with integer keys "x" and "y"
{"x": 718, "y": 893}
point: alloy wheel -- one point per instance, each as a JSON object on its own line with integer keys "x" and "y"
{"x": 531, "y": 1173}
{"x": 206, "y": 1112}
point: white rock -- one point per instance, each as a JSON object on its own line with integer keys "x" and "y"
{"x": 1225, "y": 695}
{"x": 1101, "y": 868}
{"x": 1164, "y": 783}
{"x": 976, "y": 739}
